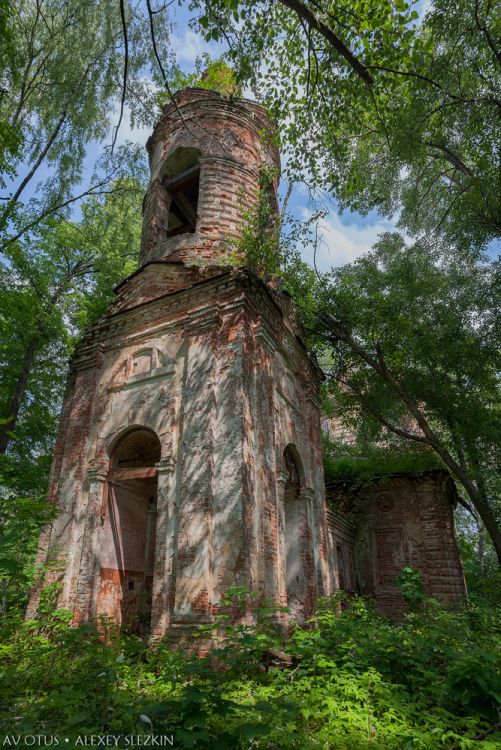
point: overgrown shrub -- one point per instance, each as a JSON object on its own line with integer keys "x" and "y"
{"x": 355, "y": 681}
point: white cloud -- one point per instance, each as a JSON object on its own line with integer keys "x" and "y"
{"x": 343, "y": 243}
{"x": 422, "y": 7}
{"x": 187, "y": 46}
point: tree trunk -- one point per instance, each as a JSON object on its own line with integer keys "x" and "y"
{"x": 489, "y": 520}
{"x": 476, "y": 494}
{"x": 18, "y": 395}
{"x": 481, "y": 547}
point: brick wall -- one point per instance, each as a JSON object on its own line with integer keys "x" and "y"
{"x": 234, "y": 142}
{"x": 229, "y": 389}
{"x": 398, "y": 521}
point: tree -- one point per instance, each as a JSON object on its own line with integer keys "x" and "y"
{"x": 412, "y": 339}
{"x": 55, "y": 283}
{"x": 385, "y": 113}
{"x": 9, "y": 138}
{"x": 381, "y": 112}
{"x": 70, "y": 66}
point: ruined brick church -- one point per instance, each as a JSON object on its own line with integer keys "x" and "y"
{"x": 188, "y": 457}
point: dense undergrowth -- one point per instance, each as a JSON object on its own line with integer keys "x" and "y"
{"x": 349, "y": 680}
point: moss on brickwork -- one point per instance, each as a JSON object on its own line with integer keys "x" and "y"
{"x": 376, "y": 463}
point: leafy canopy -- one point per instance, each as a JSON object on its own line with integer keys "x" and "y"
{"x": 381, "y": 110}
{"x": 53, "y": 285}
{"x": 410, "y": 339}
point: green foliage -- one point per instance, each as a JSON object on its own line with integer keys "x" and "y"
{"x": 258, "y": 246}
{"x": 388, "y": 114}
{"x": 9, "y": 136}
{"x": 361, "y": 467}
{"x": 242, "y": 644}
{"x": 221, "y": 78}
{"x": 406, "y": 121}
{"x": 53, "y": 284}
{"x": 481, "y": 569}
{"x": 109, "y": 235}
{"x": 61, "y": 82}
{"x": 430, "y": 682}
{"x": 21, "y": 520}
{"x": 210, "y": 74}
{"x": 409, "y": 338}
{"x": 411, "y": 586}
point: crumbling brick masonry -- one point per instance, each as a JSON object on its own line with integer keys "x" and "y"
{"x": 188, "y": 457}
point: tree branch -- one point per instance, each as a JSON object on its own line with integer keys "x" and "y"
{"x": 451, "y": 157}
{"x": 342, "y": 334}
{"x": 467, "y": 507}
{"x": 422, "y": 77}
{"x": 157, "y": 57}
{"x": 316, "y": 23}
{"x": 379, "y": 417}
{"x": 485, "y": 31}
{"x": 12, "y": 201}
{"x": 126, "y": 66}
{"x": 285, "y": 202}
{"x": 94, "y": 190}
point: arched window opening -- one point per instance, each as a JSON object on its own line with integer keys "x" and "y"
{"x": 182, "y": 181}
{"x": 295, "y": 525}
{"x": 128, "y": 548}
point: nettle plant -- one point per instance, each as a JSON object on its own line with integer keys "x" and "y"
{"x": 352, "y": 680}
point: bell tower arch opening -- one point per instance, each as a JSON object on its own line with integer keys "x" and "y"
{"x": 181, "y": 180}
{"x": 128, "y": 550}
{"x": 295, "y": 514}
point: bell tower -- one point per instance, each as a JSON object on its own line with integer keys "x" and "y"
{"x": 188, "y": 457}
{"x": 206, "y": 156}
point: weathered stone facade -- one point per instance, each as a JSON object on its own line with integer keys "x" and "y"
{"x": 393, "y": 522}
{"x": 188, "y": 457}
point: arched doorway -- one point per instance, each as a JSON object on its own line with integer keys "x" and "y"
{"x": 296, "y": 533}
{"x": 128, "y": 550}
